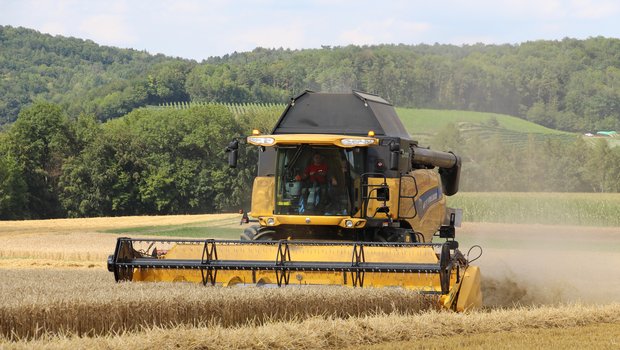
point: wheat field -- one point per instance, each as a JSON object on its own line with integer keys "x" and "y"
{"x": 429, "y": 330}
{"x": 89, "y": 303}
{"x": 55, "y": 293}
{"x": 75, "y": 242}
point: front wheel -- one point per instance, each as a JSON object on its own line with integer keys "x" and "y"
{"x": 395, "y": 235}
{"x": 257, "y": 233}
{"x": 249, "y": 233}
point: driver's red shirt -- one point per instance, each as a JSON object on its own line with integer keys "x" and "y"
{"x": 320, "y": 173}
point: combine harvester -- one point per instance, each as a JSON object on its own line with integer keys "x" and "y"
{"x": 343, "y": 196}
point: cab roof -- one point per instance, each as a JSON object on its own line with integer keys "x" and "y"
{"x": 353, "y": 113}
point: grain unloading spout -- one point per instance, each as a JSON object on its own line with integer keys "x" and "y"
{"x": 448, "y": 163}
{"x": 429, "y": 268}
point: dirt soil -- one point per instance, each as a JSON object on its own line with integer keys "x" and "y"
{"x": 540, "y": 264}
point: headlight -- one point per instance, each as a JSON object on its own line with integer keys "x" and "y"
{"x": 357, "y": 142}
{"x": 261, "y": 140}
{"x": 271, "y": 221}
{"x": 348, "y": 223}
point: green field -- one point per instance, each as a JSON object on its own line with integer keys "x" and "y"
{"x": 423, "y": 124}
{"x": 586, "y": 209}
{"x": 223, "y": 228}
{"x": 430, "y": 121}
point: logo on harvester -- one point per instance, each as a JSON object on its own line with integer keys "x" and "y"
{"x": 427, "y": 199}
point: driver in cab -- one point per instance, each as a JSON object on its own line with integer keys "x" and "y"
{"x": 317, "y": 181}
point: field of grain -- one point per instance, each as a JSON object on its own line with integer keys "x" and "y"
{"x": 89, "y": 303}
{"x": 85, "y": 242}
{"x": 539, "y": 281}
{"x": 581, "y": 209}
{"x": 430, "y": 330}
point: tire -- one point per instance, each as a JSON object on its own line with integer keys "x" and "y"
{"x": 257, "y": 233}
{"x": 265, "y": 234}
{"x": 249, "y": 233}
{"x": 394, "y": 235}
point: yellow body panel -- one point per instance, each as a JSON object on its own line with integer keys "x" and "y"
{"x": 373, "y": 204}
{"x": 430, "y": 211}
{"x": 310, "y": 220}
{"x": 330, "y": 253}
{"x": 263, "y": 196}
{"x": 424, "y": 212}
{"x": 470, "y": 296}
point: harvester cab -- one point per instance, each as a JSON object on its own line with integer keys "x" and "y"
{"x": 342, "y": 166}
{"x": 343, "y": 196}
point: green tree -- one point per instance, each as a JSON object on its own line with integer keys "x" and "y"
{"x": 40, "y": 140}
{"x": 159, "y": 161}
{"x": 13, "y": 195}
{"x": 603, "y": 169}
{"x": 77, "y": 191}
{"x": 449, "y": 139}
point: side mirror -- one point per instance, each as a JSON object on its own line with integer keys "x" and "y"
{"x": 233, "y": 153}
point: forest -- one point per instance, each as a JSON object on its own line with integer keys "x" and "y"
{"x": 571, "y": 84}
{"x": 84, "y": 131}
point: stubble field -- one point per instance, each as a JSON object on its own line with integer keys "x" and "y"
{"x": 543, "y": 285}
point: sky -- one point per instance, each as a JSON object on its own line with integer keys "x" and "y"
{"x": 198, "y": 29}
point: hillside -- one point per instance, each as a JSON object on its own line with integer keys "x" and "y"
{"x": 431, "y": 121}
{"x": 80, "y": 75}
{"x": 425, "y": 124}
{"x": 571, "y": 85}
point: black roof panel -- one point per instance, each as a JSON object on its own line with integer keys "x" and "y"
{"x": 353, "y": 113}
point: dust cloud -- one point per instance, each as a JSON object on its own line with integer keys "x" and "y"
{"x": 545, "y": 265}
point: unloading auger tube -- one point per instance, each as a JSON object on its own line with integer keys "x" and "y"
{"x": 430, "y": 268}
{"x": 449, "y": 165}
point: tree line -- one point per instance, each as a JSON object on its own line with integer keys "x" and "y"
{"x": 569, "y": 84}
{"x": 539, "y": 165}
{"x": 150, "y": 161}
{"x": 172, "y": 161}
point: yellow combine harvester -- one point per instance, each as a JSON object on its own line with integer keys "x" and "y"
{"x": 343, "y": 196}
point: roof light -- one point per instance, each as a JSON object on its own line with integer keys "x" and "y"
{"x": 357, "y": 142}
{"x": 255, "y": 132}
{"x": 371, "y": 133}
{"x": 261, "y": 140}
